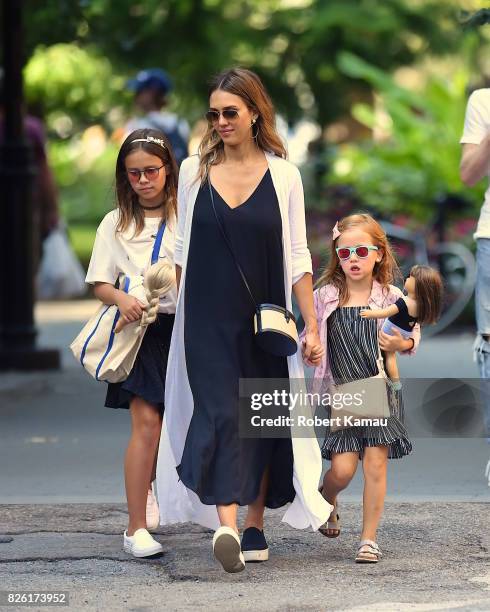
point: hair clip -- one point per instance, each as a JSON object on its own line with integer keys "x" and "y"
{"x": 157, "y": 141}
{"x": 335, "y": 231}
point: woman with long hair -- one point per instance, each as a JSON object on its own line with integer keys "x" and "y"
{"x": 240, "y": 205}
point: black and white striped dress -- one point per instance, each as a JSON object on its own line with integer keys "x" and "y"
{"x": 352, "y": 344}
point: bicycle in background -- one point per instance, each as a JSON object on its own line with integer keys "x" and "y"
{"x": 455, "y": 262}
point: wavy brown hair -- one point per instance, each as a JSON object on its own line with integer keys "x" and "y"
{"x": 248, "y": 86}
{"x": 385, "y": 271}
{"x": 429, "y": 290}
{"x": 126, "y": 198}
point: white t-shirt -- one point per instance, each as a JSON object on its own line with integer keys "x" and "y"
{"x": 476, "y": 127}
{"x": 115, "y": 253}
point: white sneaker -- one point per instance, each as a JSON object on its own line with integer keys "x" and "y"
{"x": 152, "y": 511}
{"x": 141, "y": 544}
{"x": 227, "y": 550}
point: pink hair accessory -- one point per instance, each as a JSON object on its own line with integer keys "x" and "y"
{"x": 336, "y": 231}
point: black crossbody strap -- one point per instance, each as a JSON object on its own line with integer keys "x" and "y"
{"x": 227, "y": 240}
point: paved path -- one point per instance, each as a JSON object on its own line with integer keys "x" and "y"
{"x": 436, "y": 557}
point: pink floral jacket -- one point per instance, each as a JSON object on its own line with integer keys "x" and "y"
{"x": 326, "y": 300}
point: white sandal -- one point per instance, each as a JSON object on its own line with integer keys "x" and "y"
{"x": 371, "y": 549}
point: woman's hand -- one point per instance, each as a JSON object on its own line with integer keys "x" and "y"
{"x": 394, "y": 343}
{"x": 131, "y": 309}
{"x": 312, "y": 349}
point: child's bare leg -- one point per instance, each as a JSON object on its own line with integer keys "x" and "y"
{"x": 154, "y": 469}
{"x": 374, "y": 464}
{"x": 337, "y": 478}
{"x": 139, "y": 460}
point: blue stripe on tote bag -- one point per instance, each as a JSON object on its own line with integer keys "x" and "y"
{"x": 105, "y": 355}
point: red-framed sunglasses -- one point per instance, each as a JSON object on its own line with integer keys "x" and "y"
{"x": 361, "y": 251}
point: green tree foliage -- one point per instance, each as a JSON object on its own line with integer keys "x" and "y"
{"x": 419, "y": 160}
{"x": 292, "y": 44}
{"x": 82, "y": 51}
{"x": 74, "y": 86}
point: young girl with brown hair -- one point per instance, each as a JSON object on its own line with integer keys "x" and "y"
{"x": 146, "y": 197}
{"x": 359, "y": 276}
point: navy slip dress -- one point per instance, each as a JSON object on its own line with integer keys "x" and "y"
{"x": 218, "y": 464}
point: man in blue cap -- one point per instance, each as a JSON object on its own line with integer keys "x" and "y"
{"x": 151, "y": 87}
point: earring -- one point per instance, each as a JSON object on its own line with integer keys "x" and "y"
{"x": 254, "y": 136}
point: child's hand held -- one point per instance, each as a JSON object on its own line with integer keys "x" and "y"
{"x": 131, "y": 308}
{"x": 312, "y": 350}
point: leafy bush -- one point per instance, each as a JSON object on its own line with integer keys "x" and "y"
{"x": 86, "y": 181}
{"x": 74, "y": 87}
{"x": 420, "y": 160}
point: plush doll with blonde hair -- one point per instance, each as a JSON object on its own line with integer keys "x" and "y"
{"x": 157, "y": 281}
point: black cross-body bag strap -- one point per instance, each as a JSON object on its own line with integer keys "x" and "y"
{"x": 230, "y": 247}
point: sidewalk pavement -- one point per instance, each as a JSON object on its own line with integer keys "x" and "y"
{"x": 436, "y": 557}
{"x": 61, "y": 451}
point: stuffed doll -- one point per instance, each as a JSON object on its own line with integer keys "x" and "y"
{"x": 421, "y": 304}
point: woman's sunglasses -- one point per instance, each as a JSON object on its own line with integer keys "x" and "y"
{"x": 361, "y": 251}
{"x": 228, "y": 113}
{"x": 151, "y": 174}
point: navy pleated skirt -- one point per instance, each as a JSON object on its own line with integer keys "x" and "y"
{"x": 147, "y": 378}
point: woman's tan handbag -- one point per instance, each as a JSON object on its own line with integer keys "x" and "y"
{"x": 274, "y": 326}
{"x": 275, "y": 330}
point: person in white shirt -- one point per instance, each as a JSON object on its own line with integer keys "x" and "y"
{"x": 475, "y": 165}
{"x": 241, "y": 183}
{"x": 146, "y": 196}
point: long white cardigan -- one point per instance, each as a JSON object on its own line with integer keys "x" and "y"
{"x": 177, "y": 503}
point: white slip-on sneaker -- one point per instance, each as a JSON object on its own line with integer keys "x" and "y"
{"x": 152, "y": 511}
{"x": 141, "y": 544}
{"x": 227, "y": 550}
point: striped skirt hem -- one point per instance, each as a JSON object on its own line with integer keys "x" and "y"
{"x": 356, "y": 439}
